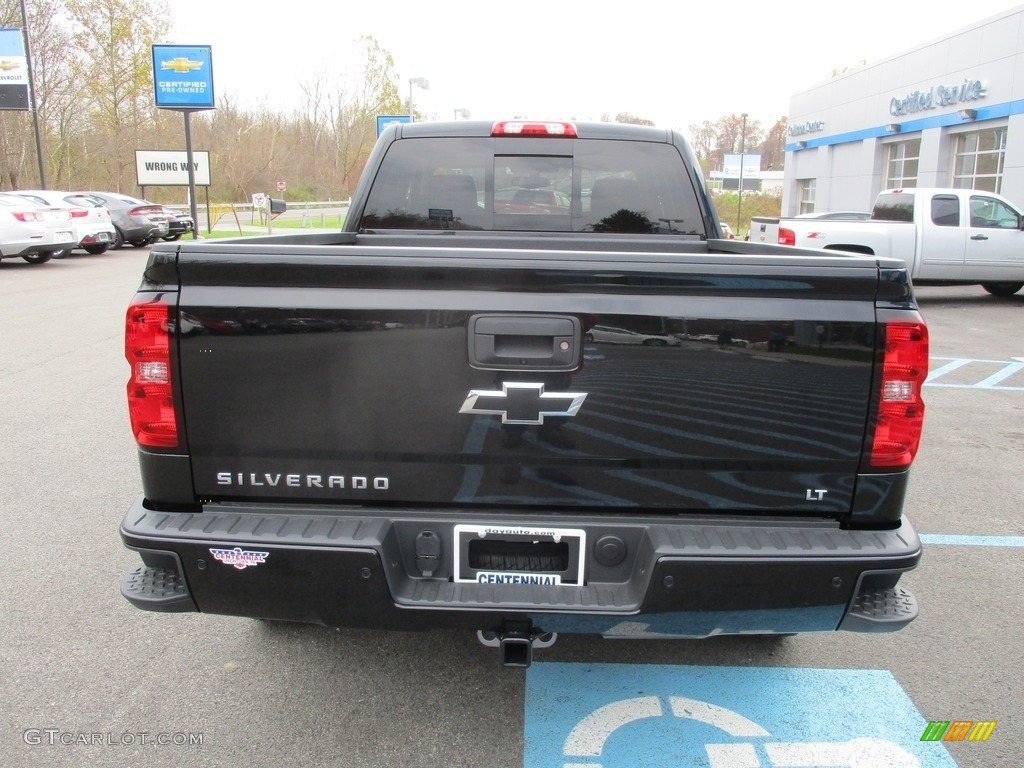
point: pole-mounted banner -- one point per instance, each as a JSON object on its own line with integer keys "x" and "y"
{"x": 13, "y": 70}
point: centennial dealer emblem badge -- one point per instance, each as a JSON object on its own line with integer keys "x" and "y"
{"x": 239, "y": 558}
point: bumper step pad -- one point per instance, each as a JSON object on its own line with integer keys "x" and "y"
{"x": 157, "y": 589}
{"x": 880, "y": 610}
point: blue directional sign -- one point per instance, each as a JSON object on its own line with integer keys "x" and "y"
{"x": 383, "y": 121}
{"x": 630, "y": 715}
{"x": 183, "y": 76}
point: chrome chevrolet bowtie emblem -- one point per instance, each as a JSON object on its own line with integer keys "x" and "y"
{"x": 523, "y": 403}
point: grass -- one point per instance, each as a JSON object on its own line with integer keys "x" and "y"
{"x": 314, "y": 220}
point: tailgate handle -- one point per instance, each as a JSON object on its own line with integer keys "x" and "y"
{"x": 524, "y": 342}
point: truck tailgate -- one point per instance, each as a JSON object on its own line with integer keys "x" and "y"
{"x": 711, "y": 384}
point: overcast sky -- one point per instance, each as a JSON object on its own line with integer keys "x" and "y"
{"x": 673, "y": 62}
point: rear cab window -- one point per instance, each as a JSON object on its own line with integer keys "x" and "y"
{"x": 531, "y": 184}
{"x": 893, "y": 207}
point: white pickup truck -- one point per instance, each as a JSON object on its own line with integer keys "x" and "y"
{"x": 944, "y": 235}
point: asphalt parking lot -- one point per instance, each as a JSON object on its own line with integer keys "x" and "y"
{"x": 89, "y": 680}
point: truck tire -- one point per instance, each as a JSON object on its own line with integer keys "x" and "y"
{"x": 1002, "y": 289}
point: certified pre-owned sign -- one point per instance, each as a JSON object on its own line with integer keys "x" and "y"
{"x": 183, "y": 76}
{"x": 170, "y": 168}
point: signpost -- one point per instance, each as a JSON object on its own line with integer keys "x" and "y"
{"x": 183, "y": 81}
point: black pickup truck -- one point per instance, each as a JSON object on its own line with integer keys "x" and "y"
{"x": 594, "y": 415}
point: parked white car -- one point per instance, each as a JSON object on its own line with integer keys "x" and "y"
{"x": 34, "y": 232}
{"x": 606, "y": 334}
{"x": 92, "y": 225}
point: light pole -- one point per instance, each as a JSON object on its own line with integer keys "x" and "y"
{"x": 32, "y": 94}
{"x": 743, "y": 146}
{"x": 423, "y": 83}
{"x": 463, "y": 113}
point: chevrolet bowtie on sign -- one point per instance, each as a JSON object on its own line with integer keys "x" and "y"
{"x": 181, "y": 65}
{"x": 522, "y": 403}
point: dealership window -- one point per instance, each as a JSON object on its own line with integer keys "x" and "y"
{"x": 979, "y": 160}
{"x": 901, "y": 164}
{"x": 806, "y": 189}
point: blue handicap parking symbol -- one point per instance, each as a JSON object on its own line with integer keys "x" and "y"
{"x": 634, "y": 715}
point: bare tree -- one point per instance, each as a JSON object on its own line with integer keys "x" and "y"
{"x": 114, "y": 69}
{"x": 773, "y": 148}
{"x": 355, "y": 105}
{"x": 626, "y": 117}
{"x": 17, "y": 141}
{"x": 704, "y": 142}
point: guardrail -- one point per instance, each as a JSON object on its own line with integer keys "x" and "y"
{"x": 323, "y": 214}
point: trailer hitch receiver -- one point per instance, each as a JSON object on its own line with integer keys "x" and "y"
{"x": 515, "y": 641}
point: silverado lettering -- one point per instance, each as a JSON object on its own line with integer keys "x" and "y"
{"x": 257, "y": 479}
{"x": 740, "y": 465}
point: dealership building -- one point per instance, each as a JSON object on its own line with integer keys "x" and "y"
{"x": 949, "y": 113}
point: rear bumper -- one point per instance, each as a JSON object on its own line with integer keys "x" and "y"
{"x": 649, "y": 577}
{"x": 41, "y": 244}
{"x": 180, "y": 227}
{"x": 95, "y": 234}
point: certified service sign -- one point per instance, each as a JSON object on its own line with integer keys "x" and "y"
{"x": 183, "y": 76}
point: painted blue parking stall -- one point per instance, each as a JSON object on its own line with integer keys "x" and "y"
{"x": 971, "y": 541}
{"x": 634, "y": 715}
{"x": 961, "y": 373}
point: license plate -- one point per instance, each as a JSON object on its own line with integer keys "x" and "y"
{"x": 103, "y": 237}
{"x": 519, "y": 555}
{"x": 64, "y": 236}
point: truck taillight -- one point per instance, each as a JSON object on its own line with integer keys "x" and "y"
{"x": 900, "y": 408}
{"x": 787, "y": 236}
{"x": 147, "y": 346}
